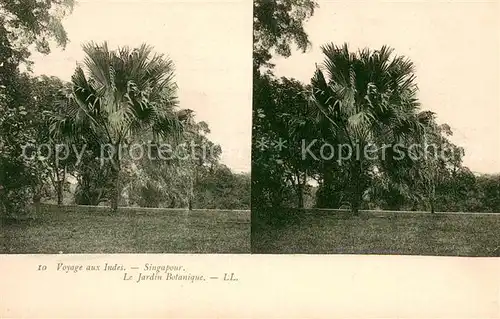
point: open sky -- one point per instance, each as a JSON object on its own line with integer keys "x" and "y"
{"x": 454, "y": 45}
{"x": 210, "y": 43}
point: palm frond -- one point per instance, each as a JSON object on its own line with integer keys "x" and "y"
{"x": 122, "y": 92}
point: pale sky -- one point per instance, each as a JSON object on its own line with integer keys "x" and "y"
{"x": 454, "y": 45}
{"x": 210, "y": 43}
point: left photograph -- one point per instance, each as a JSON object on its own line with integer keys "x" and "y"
{"x": 125, "y": 127}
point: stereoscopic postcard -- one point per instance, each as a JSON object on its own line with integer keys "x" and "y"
{"x": 249, "y": 159}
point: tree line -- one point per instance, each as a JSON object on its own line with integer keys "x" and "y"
{"x": 363, "y": 99}
{"x": 115, "y": 98}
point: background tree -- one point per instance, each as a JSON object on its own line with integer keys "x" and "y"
{"x": 30, "y": 22}
{"x": 488, "y": 192}
{"x": 270, "y": 185}
{"x": 277, "y": 24}
{"x": 176, "y": 169}
{"x": 283, "y": 123}
{"x": 433, "y": 164}
{"x": 188, "y": 175}
{"x": 218, "y": 187}
{"x": 22, "y": 24}
{"x": 47, "y": 94}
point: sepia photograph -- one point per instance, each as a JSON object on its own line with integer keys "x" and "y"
{"x": 376, "y": 128}
{"x": 249, "y": 159}
{"x": 124, "y": 127}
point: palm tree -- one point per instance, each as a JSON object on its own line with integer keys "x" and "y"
{"x": 123, "y": 93}
{"x": 367, "y": 98}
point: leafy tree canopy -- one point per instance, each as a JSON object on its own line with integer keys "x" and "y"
{"x": 277, "y": 25}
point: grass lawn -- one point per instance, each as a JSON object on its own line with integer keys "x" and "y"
{"x": 85, "y": 230}
{"x": 320, "y": 232}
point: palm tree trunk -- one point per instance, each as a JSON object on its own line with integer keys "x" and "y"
{"x": 115, "y": 194}
{"x": 59, "y": 193}
{"x": 356, "y": 195}
{"x": 355, "y": 204}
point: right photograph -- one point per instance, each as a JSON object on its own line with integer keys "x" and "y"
{"x": 376, "y": 128}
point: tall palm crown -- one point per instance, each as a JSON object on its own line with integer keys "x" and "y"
{"x": 367, "y": 94}
{"x": 123, "y": 92}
